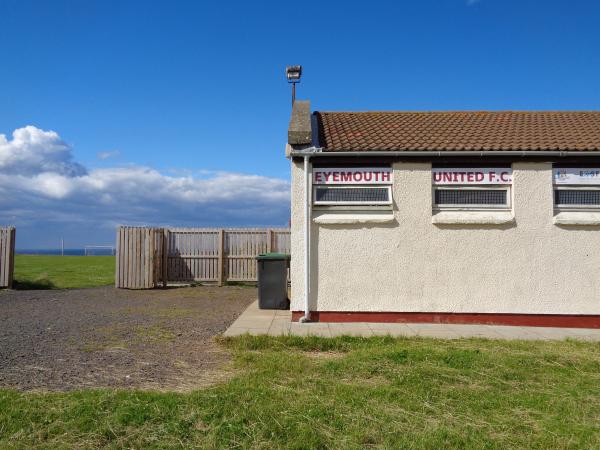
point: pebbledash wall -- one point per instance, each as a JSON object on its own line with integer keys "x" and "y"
{"x": 531, "y": 266}
{"x": 528, "y": 269}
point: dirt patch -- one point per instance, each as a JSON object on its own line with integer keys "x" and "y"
{"x": 326, "y": 355}
{"x": 105, "y": 337}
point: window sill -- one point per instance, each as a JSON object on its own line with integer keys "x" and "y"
{"x": 473, "y": 217}
{"x": 577, "y": 218}
{"x": 353, "y": 217}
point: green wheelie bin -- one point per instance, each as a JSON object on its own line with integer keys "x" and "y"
{"x": 272, "y": 280}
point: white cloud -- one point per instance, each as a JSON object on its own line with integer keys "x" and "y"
{"x": 108, "y": 154}
{"x": 43, "y": 188}
{"x": 32, "y": 151}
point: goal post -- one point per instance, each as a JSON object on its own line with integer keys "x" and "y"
{"x": 99, "y": 250}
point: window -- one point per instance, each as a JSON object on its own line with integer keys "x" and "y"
{"x": 352, "y": 186}
{"x": 471, "y": 196}
{"x": 355, "y": 195}
{"x": 576, "y": 188}
{"x": 471, "y": 188}
{"x": 577, "y": 197}
{"x": 576, "y": 193}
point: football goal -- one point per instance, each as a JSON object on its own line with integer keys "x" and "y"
{"x": 99, "y": 250}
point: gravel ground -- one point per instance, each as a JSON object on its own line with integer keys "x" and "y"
{"x": 106, "y": 337}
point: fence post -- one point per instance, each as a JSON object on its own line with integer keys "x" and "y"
{"x": 221, "y": 265}
{"x": 165, "y": 256}
{"x": 149, "y": 269}
{"x": 117, "y": 259}
{"x": 269, "y": 240}
{"x": 11, "y": 259}
{"x": 7, "y": 256}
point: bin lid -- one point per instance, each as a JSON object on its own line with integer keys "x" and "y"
{"x": 278, "y": 256}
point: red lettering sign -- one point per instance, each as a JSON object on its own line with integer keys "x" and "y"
{"x": 363, "y": 175}
{"x": 471, "y": 176}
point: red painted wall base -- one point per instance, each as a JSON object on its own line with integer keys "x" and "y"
{"x": 530, "y": 320}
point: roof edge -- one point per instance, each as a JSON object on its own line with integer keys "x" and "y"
{"x": 445, "y": 153}
{"x": 469, "y": 111}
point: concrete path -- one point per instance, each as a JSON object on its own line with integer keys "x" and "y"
{"x": 276, "y": 323}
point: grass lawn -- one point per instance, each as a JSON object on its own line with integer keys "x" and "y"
{"x": 343, "y": 393}
{"x": 61, "y": 272}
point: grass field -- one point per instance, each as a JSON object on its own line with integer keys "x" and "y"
{"x": 62, "y": 272}
{"x": 343, "y": 393}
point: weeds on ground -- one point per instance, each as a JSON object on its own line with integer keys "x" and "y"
{"x": 122, "y": 336}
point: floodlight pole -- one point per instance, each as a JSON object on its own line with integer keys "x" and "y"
{"x": 293, "y": 75}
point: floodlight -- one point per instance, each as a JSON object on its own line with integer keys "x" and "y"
{"x": 293, "y": 74}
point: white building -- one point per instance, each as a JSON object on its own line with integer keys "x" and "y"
{"x": 459, "y": 217}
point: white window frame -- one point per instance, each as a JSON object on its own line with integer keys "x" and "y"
{"x": 352, "y": 186}
{"x": 473, "y": 207}
{"x": 574, "y": 187}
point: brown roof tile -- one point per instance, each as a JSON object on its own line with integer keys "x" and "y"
{"x": 452, "y": 131}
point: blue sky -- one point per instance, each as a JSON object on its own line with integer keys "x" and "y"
{"x": 188, "y": 99}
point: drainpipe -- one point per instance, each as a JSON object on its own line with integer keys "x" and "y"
{"x": 307, "y": 226}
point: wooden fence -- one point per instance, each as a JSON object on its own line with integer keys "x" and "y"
{"x": 140, "y": 257}
{"x": 7, "y": 256}
{"x": 198, "y": 254}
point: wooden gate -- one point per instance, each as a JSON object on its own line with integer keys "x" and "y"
{"x": 7, "y": 256}
{"x": 140, "y": 258}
